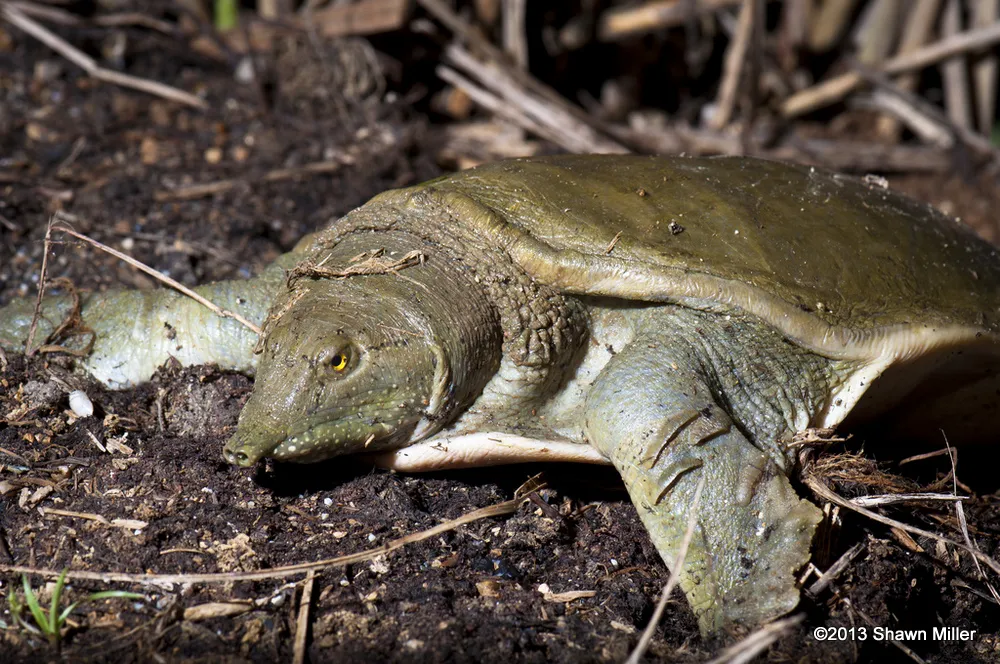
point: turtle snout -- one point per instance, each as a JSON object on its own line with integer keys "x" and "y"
{"x": 237, "y": 457}
{"x": 241, "y": 452}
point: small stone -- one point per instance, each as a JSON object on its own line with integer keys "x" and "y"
{"x": 213, "y": 155}
{"x": 149, "y": 150}
{"x": 80, "y": 403}
{"x": 488, "y": 588}
{"x": 244, "y": 72}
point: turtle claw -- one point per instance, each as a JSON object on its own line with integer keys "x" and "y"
{"x": 668, "y": 476}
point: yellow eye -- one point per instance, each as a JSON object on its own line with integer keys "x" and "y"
{"x": 340, "y": 360}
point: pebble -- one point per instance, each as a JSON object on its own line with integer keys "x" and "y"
{"x": 80, "y": 404}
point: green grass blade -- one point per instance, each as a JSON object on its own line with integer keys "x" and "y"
{"x": 15, "y": 606}
{"x": 36, "y": 609}
{"x": 226, "y": 14}
{"x": 54, "y": 621}
{"x": 115, "y": 594}
{"x": 65, "y": 614}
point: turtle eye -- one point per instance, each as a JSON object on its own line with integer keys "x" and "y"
{"x": 340, "y": 360}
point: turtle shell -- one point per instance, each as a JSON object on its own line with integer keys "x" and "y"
{"x": 840, "y": 264}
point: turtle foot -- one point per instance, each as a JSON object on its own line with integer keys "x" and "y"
{"x": 753, "y": 533}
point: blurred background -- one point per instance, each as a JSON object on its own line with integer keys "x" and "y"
{"x": 205, "y": 137}
{"x": 887, "y": 86}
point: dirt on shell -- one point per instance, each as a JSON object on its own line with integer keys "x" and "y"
{"x": 140, "y": 486}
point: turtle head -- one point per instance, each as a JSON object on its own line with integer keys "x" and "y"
{"x": 341, "y": 371}
{"x": 364, "y": 364}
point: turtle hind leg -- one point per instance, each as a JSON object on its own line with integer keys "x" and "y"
{"x": 652, "y": 413}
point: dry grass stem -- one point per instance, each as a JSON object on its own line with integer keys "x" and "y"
{"x": 898, "y": 110}
{"x": 575, "y": 134}
{"x": 16, "y": 17}
{"x": 368, "y": 263}
{"x": 917, "y": 31}
{"x": 834, "y": 89}
{"x": 28, "y": 350}
{"x": 496, "y": 105}
{"x": 821, "y": 490}
{"x": 890, "y": 498}
{"x": 827, "y": 577}
{"x": 517, "y": 87}
{"x": 161, "y": 277}
{"x": 829, "y": 22}
{"x": 62, "y": 17}
{"x": 963, "y": 524}
{"x": 515, "y": 37}
{"x": 672, "y": 580}
{"x": 626, "y": 21}
{"x": 614, "y": 242}
{"x": 302, "y": 621}
{"x": 747, "y": 649}
{"x": 876, "y": 32}
{"x": 168, "y": 580}
{"x": 736, "y": 56}
{"x": 899, "y": 644}
{"x": 953, "y": 70}
{"x": 985, "y": 13}
{"x": 950, "y": 451}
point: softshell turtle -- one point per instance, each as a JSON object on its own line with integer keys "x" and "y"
{"x": 678, "y": 318}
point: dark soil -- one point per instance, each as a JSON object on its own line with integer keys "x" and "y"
{"x": 151, "y": 455}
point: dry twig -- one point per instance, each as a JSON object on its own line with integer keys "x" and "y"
{"x": 835, "y": 570}
{"x": 161, "y": 277}
{"x": 957, "y": 101}
{"x": 985, "y": 13}
{"x": 629, "y": 20}
{"x": 572, "y": 133}
{"x": 88, "y": 64}
{"x": 896, "y": 642}
{"x": 28, "y": 350}
{"x": 506, "y": 507}
{"x": 834, "y": 89}
{"x": 368, "y": 263}
{"x": 672, "y": 581}
{"x": 821, "y": 490}
{"x": 747, "y": 649}
{"x": 302, "y": 622}
{"x": 736, "y": 56}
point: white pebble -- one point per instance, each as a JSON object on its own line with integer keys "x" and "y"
{"x": 80, "y": 404}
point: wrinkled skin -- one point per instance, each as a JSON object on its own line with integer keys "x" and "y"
{"x": 555, "y": 306}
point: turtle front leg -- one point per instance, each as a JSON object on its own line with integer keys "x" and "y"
{"x": 653, "y": 415}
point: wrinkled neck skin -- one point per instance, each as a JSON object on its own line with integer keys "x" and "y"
{"x": 424, "y": 339}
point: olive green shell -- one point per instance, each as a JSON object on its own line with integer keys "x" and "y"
{"x": 840, "y": 264}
